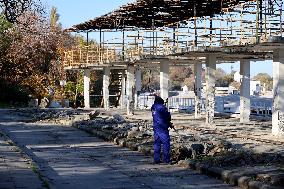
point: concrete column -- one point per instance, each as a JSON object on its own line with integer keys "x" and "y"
{"x": 164, "y": 79}
{"x": 245, "y": 91}
{"x": 138, "y": 85}
{"x": 130, "y": 85}
{"x": 210, "y": 87}
{"x": 123, "y": 86}
{"x": 106, "y": 82}
{"x": 197, "y": 88}
{"x": 87, "y": 80}
{"x": 278, "y": 93}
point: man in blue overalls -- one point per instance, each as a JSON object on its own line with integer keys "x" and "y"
{"x": 161, "y": 124}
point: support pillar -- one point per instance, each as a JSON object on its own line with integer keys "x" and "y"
{"x": 123, "y": 86}
{"x": 130, "y": 90}
{"x": 197, "y": 89}
{"x": 245, "y": 91}
{"x": 87, "y": 80}
{"x": 106, "y": 82}
{"x": 138, "y": 85}
{"x": 164, "y": 79}
{"x": 278, "y": 93}
{"x": 210, "y": 87}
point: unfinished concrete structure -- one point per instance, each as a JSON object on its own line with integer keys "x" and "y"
{"x": 164, "y": 33}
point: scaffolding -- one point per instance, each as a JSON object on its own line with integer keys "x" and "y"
{"x": 153, "y": 29}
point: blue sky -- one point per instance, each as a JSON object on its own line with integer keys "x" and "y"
{"x": 74, "y": 12}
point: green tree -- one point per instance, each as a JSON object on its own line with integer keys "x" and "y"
{"x": 54, "y": 18}
{"x": 74, "y": 88}
{"x": 29, "y": 55}
{"x": 223, "y": 79}
{"x": 5, "y": 40}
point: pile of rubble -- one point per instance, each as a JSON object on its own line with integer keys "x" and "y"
{"x": 137, "y": 135}
{"x": 48, "y": 115}
{"x": 190, "y": 150}
{"x": 243, "y": 168}
{"x": 238, "y": 158}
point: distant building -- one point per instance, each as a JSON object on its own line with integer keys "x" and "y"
{"x": 255, "y": 88}
{"x": 233, "y": 90}
{"x": 185, "y": 89}
{"x": 237, "y": 77}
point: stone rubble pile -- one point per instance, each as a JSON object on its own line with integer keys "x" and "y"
{"x": 265, "y": 168}
{"x": 238, "y": 158}
{"x": 138, "y": 135}
{"x": 48, "y": 115}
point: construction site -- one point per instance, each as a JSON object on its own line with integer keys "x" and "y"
{"x": 215, "y": 143}
{"x": 164, "y": 34}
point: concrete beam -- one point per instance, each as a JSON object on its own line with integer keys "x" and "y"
{"x": 106, "y": 82}
{"x": 87, "y": 80}
{"x": 197, "y": 89}
{"x": 210, "y": 87}
{"x": 245, "y": 91}
{"x": 130, "y": 89}
{"x": 138, "y": 84}
{"x": 278, "y": 93}
{"x": 164, "y": 79}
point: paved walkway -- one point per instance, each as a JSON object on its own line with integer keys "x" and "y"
{"x": 16, "y": 171}
{"x": 70, "y": 158}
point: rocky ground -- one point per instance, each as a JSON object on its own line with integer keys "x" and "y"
{"x": 228, "y": 150}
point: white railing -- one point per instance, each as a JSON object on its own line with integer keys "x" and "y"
{"x": 261, "y": 108}
{"x": 145, "y": 102}
{"x": 222, "y": 104}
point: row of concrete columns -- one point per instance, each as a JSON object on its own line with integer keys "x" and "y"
{"x": 132, "y": 86}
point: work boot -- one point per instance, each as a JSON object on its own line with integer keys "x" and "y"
{"x": 156, "y": 162}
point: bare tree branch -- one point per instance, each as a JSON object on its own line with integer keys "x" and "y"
{"x": 12, "y": 9}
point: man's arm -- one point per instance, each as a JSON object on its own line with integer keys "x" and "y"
{"x": 166, "y": 115}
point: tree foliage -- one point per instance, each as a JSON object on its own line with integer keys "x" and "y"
{"x": 236, "y": 85}
{"x": 54, "y": 18}
{"x": 30, "y": 52}
{"x": 33, "y": 51}
{"x": 151, "y": 80}
{"x": 178, "y": 76}
{"x": 223, "y": 79}
{"x": 265, "y": 80}
{"x": 5, "y": 39}
{"x": 189, "y": 82}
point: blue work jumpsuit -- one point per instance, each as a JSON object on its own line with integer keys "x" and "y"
{"x": 161, "y": 124}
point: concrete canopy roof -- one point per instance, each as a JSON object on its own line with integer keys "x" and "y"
{"x": 148, "y": 14}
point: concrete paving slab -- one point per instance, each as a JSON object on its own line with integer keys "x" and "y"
{"x": 15, "y": 170}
